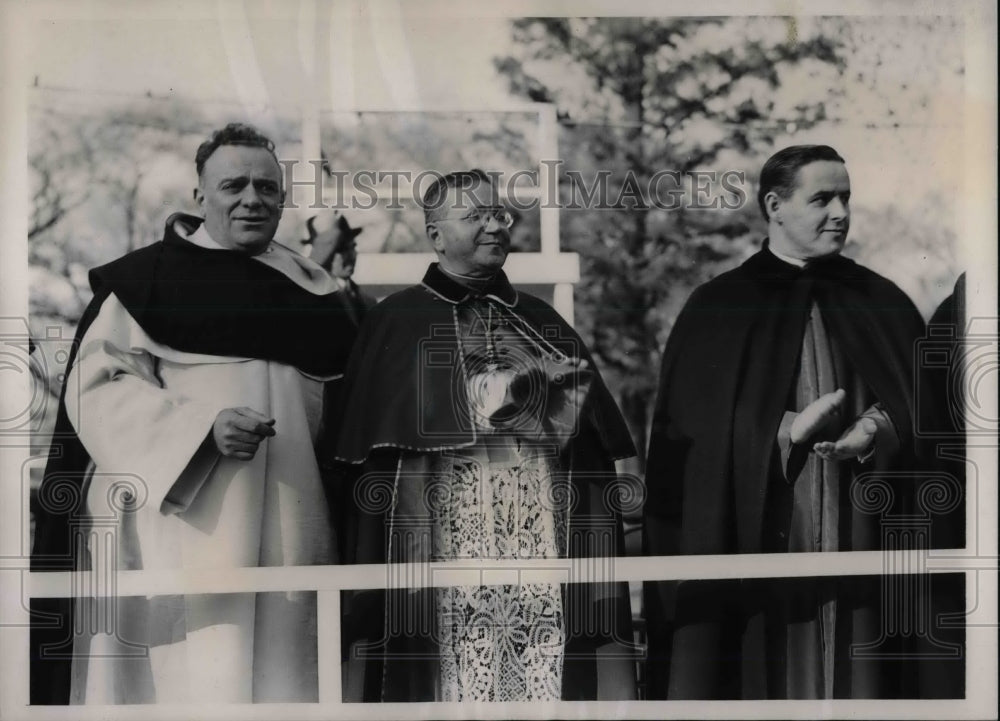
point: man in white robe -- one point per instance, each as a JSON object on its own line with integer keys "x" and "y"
{"x": 198, "y": 395}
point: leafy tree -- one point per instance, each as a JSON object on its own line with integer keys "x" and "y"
{"x": 684, "y": 94}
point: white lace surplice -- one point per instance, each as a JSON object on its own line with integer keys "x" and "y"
{"x": 499, "y": 642}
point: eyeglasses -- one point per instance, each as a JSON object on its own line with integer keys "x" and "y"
{"x": 485, "y": 215}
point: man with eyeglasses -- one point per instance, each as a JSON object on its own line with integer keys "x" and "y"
{"x": 478, "y": 429}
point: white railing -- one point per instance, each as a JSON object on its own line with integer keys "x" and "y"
{"x": 329, "y": 581}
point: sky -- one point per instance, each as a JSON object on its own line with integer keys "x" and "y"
{"x": 367, "y": 54}
{"x": 265, "y": 58}
{"x": 385, "y": 54}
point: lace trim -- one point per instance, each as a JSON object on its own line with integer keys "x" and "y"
{"x": 499, "y": 643}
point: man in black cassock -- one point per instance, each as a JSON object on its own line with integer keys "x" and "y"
{"x": 783, "y": 382}
{"x": 478, "y": 429}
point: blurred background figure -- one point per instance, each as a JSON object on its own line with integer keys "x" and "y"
{"x": 335, "y": 249}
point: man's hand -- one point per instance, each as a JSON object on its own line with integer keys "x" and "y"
{"x": 855, "y": 442}
{"x": 814, "y": 417}
{"x": 238, "y": 432}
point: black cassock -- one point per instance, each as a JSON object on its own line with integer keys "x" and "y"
{"x": 719, "y": 483}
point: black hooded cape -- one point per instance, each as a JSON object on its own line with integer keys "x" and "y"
{"x": 739, "y": 336}
{"x": 197, "y": 300}
{"x": 728, "y": 369}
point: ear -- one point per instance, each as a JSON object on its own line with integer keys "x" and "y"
{"x": 434, "y": 235}
{"x": 199, "y": 197}
{"x": 772, "y": 201}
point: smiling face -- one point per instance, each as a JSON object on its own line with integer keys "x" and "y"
{"x": 240, "y": 193}
{"x": 463, "y": 243}
{"x": 813, "y": 221}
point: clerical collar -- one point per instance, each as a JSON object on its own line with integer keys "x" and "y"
{"x": 800, "y": 262}
{"x": 473, "y": 283}
{"x": 450, "y": 289}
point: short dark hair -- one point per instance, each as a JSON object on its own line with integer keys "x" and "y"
{"x": 435, "y": 196}
{"x": 232, "y": 134}
{"x": 781, "y": 170}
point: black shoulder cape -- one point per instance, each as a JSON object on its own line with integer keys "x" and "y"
{"x": 223, "y": 302}
{"x": 398, "y": 387}
{"x": 197, "y": 300}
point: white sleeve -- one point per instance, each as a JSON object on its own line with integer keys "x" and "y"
{"x": 129, "y": 422}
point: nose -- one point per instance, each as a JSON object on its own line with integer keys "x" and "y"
{"x": 838, "y": 208}
{"x": 495, "y": 228}
{"x": 250, "y": 197}
{"x": 492, "y": 224}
